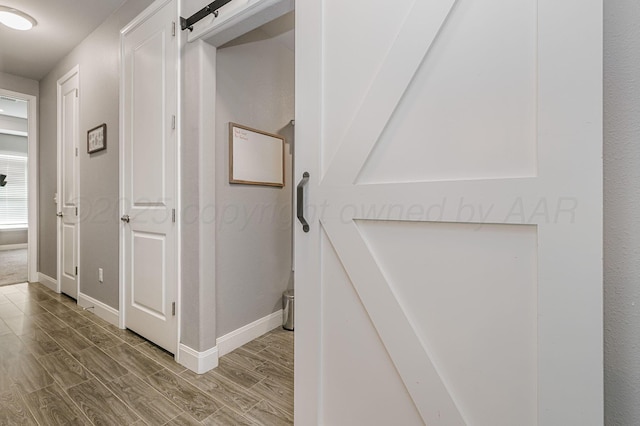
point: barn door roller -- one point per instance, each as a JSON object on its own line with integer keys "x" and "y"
{"x": 202, "y": 13}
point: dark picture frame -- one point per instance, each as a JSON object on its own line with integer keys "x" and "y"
{"x": 97, "y": 139}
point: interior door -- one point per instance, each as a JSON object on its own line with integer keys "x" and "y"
{"x": 68, "y": 191}
{"x": 149, "y": 176}
{"x": 452, "y": 273}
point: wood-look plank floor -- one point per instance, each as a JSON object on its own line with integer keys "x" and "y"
{"x": 61, "y": 365}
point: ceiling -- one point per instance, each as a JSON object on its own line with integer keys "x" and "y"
{"x": 62, "y": 25}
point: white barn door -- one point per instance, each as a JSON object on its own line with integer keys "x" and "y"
{"x": 452, "y": 273}
{"x": 149, "y": 175}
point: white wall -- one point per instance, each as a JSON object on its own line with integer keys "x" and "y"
{"x": 255, "y": 88}
{"x": 621, "y": 212}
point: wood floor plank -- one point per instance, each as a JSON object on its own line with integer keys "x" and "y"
{"x": 276, "y": 372}
{"x": 39, "y": 343}
{"x": 30, "y": 307}
{"x": 160, "y": 356}
{"x": 48, "y": 322}
{"x": 28, "y": 374}
{"x": 128, "y": 336}
{"x": 133, "y": 360}
{"x": 279, "y": 356}
{"x": 184, "y": 394}
{"x": 98, "y": 336}
{"x": 93, "y": 318}
{"x": 225, "y": 417}
{"x": 184, "y": 420}
{"x": 100, "y": 364}
{"x": 21, "y": 325}
{"x": 13, "y": 410}
{"x": 276, "y": 392}
{"x": 8, "y": 310}
{"x": 249, "y": 360}
{"x": 238, "y": 374}
{"x": 73, "y": 319}
{"x": 266, "y": 413}
{"x": 223, "y": 390}
{"x": 52, "y": 407}
{"x": 65, "y": 369}
{"x": 148, "y": 403}
{"x": 100, "y": 405}
{"x": 70, "y": 340}
{"x": 55, "y": 307}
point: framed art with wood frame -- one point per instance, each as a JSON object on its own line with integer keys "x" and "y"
{"x": 255, "y": 157}
{"x": 97, "y": 139}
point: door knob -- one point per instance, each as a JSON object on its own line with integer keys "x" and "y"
{"x": 59, "y": 214}
{"x": 125, "y": 218}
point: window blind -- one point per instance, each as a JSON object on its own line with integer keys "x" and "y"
{"x": 13, "y": 196}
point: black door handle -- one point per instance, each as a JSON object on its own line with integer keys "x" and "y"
{"x": 300, "y": 206}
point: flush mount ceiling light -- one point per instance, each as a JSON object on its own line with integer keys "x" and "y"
{"x": 13, "y": 18}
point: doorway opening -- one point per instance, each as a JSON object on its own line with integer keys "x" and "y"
{"x": 18, "y": 188}
{"x": 255, "y": 76}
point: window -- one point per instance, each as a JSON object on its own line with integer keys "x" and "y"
{"x": 13, "y": 196}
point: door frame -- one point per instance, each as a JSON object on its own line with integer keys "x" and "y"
{"x": 137, "y": 21}
{"x": 69, "y": 74}
{"x": 33, "y": 192}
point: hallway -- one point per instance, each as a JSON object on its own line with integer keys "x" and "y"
{"x": 62, "y": 365}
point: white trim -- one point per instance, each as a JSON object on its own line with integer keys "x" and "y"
{"x": 34, "y": 193}
{"x": 146, "y": 14}
{"x": 178, "y": 189}
{"x": 13, "y": 246}
{"x": 243, "y": 335}
{"x": 198, "y": 362}
{"x": 102, "y": 310}
{"x": 238, "y": 18}
{"x": 48, "y": 282}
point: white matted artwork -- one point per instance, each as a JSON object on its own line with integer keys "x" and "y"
{"x": 255, "y": 157}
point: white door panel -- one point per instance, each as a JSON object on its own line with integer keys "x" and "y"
{"x": 149, "y": 181}
{"x": 68, "y": 182}
{"x": 455, "y": 204}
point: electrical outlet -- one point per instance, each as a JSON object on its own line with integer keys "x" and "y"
{"x": 100, "y": 275}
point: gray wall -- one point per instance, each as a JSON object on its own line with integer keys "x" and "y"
{"x": 99, "y": 59}
{"x": 13, "y": 236}
{"x": 13, "y": 143}
{"x": 255, "y": 88}
{"x": 18, "y": 84}
{"x": 198, "y": 298}
{"x": 621, "y": 207}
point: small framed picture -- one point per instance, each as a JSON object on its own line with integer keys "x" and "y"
{"x": 97, "y": 139}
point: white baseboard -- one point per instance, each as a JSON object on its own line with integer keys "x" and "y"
{"x": 198, "y": 362}
{"x": 102, "y": 310}
{"x": 13, "y": 246}
{"x": 243, "y": 335}
{"x": 48, "y": 282}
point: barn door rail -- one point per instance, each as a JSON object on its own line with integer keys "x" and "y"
{"x": 211, "y": 8}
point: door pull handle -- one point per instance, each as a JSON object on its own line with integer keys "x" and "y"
{"x": 59, "y": 214}
{"x": 300, "y": 205}
{"x": 125, "y": 218}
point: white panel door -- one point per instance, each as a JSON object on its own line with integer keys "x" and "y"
{"x": 149, "y": 177}
{"x": 452, "y": 273}
{"x": 68, "y": 182}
